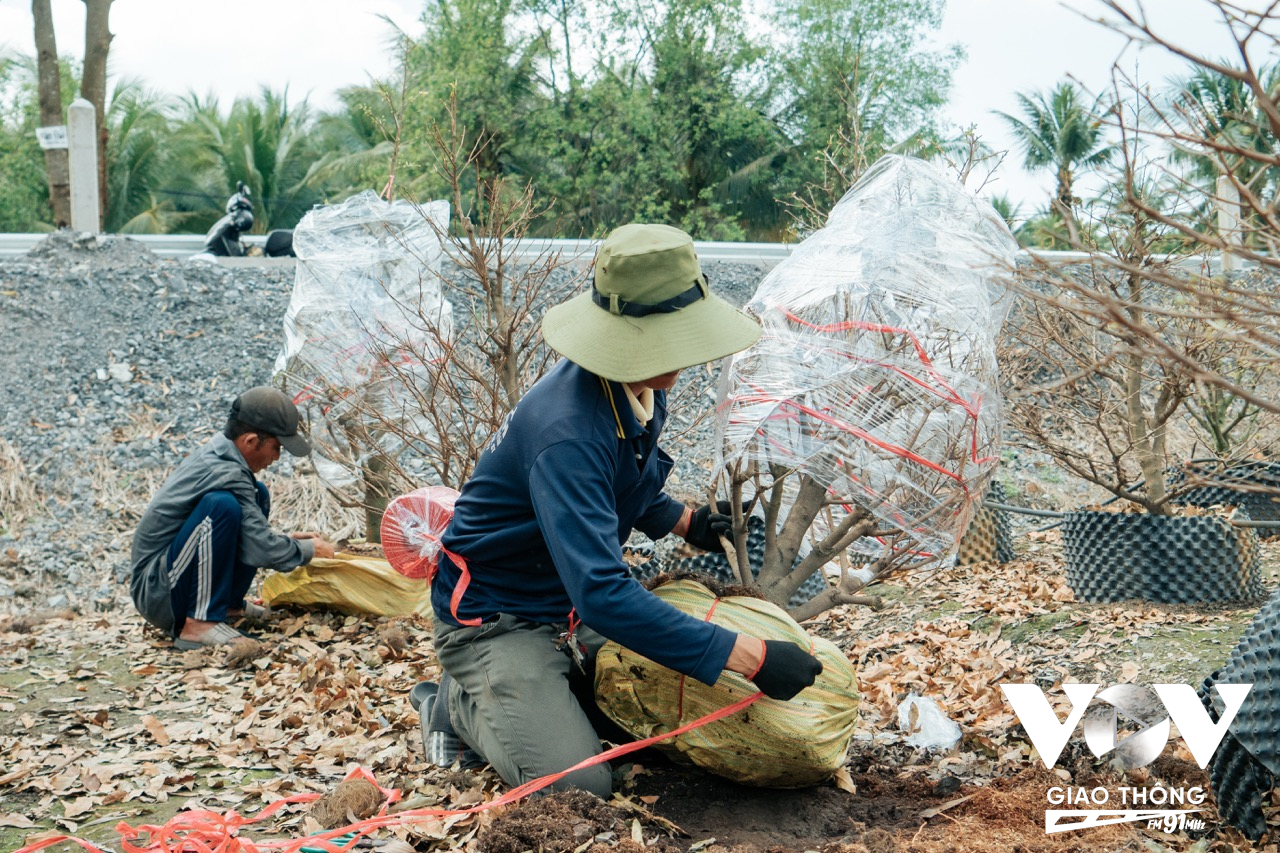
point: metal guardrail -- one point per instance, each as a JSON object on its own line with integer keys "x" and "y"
{"x": 164, "y": 245}
{"x": 768, "y": 254}
{"x": 186, "y": 245}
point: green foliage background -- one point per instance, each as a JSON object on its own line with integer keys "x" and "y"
{"x": 692, "y": 112}
{"x": 731, "y": 123}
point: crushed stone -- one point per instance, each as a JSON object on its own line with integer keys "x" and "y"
{"x": 120, "y": 362}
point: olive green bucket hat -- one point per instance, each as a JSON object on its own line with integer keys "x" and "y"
{"x": 649, "y": 311}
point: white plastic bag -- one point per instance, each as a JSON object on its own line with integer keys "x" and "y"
{"x": 926, "y": 725}
{"x": 366, "y": 308}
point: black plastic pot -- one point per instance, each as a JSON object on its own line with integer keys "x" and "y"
{"x": 1115, "y": 556}
{"x": 1240, "y": 783}
{"x": 1254, "y": 487}
{"x": 1244, "y": 767}
{"x": 989, "y": 537}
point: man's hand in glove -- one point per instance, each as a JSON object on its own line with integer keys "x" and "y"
{"x": 708, "y": 524}
{"x": 785, "y": 670}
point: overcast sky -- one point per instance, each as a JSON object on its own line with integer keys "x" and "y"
{"x": 318, "y": 46}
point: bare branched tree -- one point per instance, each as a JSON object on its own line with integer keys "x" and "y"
{"x": 445, "y": 384}
{"x": 863, "y": 426}
{"x": 1225, "y": 208}
{"x": 1158, "y": 321}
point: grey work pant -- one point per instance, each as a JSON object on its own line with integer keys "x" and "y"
{"x": 522, "y": 703}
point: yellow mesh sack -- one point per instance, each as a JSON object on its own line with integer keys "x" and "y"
{"x": 771, "y": 743}
{"x": 349, "y": 584}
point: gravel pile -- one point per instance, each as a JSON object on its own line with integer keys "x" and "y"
{"x": 118, "y": 363}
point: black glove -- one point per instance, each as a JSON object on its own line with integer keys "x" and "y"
{"x": 786, "y": 670}
{"x": 707, "y": 526}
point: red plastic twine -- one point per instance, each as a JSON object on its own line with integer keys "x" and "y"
{"x": 433, "y": 507}
{"x": 203, "y": 831}
{"x": 950, "y": 393}
{"x": 941, "y": 388}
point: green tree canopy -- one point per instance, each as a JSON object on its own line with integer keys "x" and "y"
{"x": 1061, "y": 132}
{"x": 265, "y": 142}
{"x": 684, "y": 111}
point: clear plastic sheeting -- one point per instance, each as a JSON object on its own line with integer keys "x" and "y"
{"x": 876, "y": 373}
{"x": 366, "y": 295}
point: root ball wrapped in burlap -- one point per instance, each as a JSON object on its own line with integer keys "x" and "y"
{"x": 770, "y": 744}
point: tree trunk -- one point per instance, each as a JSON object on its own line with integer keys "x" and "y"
{"x": 93, "y": 86}
{"x": 377, "y": 488}
{"x": 1066, "y": 194}
{"x": 49, "y": 87}
{"x": 1140, "y": 435}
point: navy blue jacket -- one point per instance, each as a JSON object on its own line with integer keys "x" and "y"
{"x": 542, "y": 520}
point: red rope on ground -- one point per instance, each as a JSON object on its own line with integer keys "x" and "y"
{"x": 204, "y": 831}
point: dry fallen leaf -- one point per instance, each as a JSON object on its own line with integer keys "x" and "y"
{"x": 844, "y": 781}
{"x": 80, "y": 806}
{"x": 937, "y": 810}
{"x": 157, "y": 730}
{"x": 323, "y": 697}
{"x": 1129, "y": 672}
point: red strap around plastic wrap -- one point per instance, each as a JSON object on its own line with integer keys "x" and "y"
{"x": 411, "y": 529}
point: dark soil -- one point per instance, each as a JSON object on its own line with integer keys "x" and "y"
{"x": 891, "y": 809}
{"x": 566, "y": 820}
{"x": 706, "y": 806}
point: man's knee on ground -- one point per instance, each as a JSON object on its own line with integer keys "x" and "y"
{"x": 596, "y": 780}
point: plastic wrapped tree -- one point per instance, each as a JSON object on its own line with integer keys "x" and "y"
{"x": 865, "y": 423}
{"x": 365, "y": 317}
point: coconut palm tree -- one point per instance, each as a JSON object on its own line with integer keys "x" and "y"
{"x": 265, "y": 142}
{"x": 1010, "y": 211}
{"x": 1218, "y": 128}
{"x": 1062, "y": 132}
{"x": 140, "y": 161}
{"x": 1212, "y": 109}
{"x": 359, "y": 141}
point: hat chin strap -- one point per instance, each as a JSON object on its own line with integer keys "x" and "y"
{"x": 617, "y": 307}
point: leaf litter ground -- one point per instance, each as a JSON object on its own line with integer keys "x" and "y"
{"x": 102, "y": 722}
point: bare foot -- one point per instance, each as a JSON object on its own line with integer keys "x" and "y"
{"x": 196, "y": 629}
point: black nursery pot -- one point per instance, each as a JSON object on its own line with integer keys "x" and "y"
{"x": 1115, "y": 556}
{"x": 1242, "y": 773}
{"x": 989, "y": 536}
{"x": 1252, "y": 486}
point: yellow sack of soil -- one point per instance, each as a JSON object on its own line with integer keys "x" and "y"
{"x": 349, "y": 584}
{"x": 770, "y": 744}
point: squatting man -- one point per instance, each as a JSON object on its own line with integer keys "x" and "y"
{"x": 534, "y": 547}
{"x": 205, "y": 533}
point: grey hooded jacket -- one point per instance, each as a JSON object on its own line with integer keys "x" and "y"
{"x": 216, "y": 466}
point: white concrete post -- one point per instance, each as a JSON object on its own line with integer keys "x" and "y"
{"x": 1228, "y": 203}
{"x": 82, "y": 140}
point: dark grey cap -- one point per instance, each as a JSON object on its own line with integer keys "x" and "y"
{"x": 271, "y": 411}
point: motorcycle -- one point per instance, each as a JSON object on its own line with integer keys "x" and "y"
{"x": 223, "y": 239}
